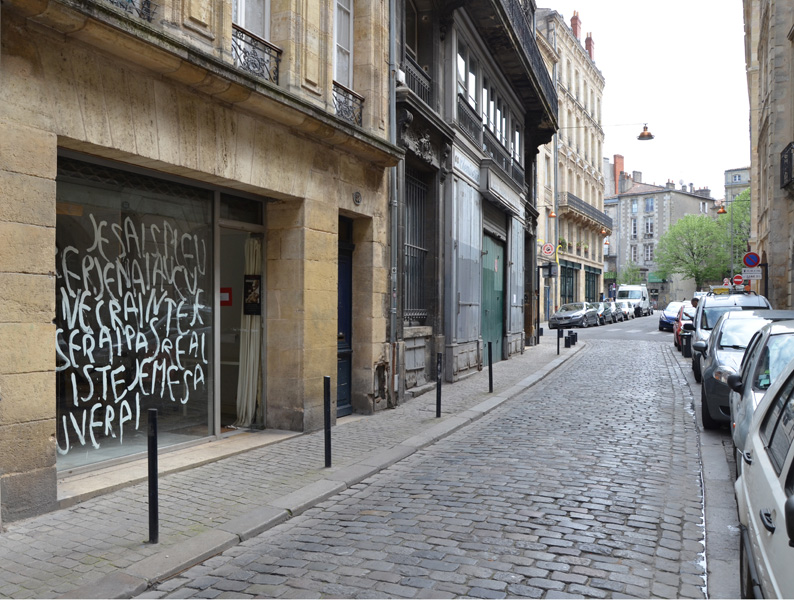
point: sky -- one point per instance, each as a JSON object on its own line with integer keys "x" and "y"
{"x": 679, "y": 67}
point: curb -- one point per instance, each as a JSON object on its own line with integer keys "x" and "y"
{"x": 136, "y": 579}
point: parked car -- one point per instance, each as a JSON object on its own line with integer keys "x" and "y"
{"x": 605, "y": 313}
{"x": 574, "y": 314}
{"x": 685, "y": 313}
{"x": 617, "y": 312}
{"x": 627, "y": 309}
{"x": 721, "y": 357}
{"x": 710, "y": 308}
{"x": 767, "y": 355}
{"x": 669, "y": 316}
{"x": 765, "y": 496}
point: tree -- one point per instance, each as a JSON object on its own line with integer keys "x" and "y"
{"x": 693, "y": 247}
{"x": 735, "y": 225}
{"x": 630, "y": 274}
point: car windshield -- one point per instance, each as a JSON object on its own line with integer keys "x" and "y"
{"x": 712, "y": 315}
{"x": 572, "y": 307}
{"x": 776, "y": 356}
{"x": 689, "y": 313}
{"x": 632, "y": 294}
{"x": 673, "y": 307}
{"x": 736, "y": 333}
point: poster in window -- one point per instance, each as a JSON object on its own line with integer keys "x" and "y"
{"x": 252, "y": 294}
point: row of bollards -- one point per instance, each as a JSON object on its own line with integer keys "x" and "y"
{"x": 154, "y": 527}
{"x": 568, "y": 340}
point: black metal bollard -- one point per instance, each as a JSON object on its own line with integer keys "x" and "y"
{"x": 560, "y": 334}
{"x": 327, "y": 418}
{"x": 575, "y": 336}
{"x": 540, "y": 331}
{"x": 490, "y": 368}
{"x": 567, "y": 341}
{"x": 686, "y": 345}
{"x": 439, "y": 358}
{"x": 154, "y": 511}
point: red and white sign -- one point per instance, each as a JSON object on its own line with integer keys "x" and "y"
{"x": 737, "y": 280}
{"x": 226, "y": 296}
{"x": 726, "y": 281}
{"x": 548, "y": 249}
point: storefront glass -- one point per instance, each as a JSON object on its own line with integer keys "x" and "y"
{"x": 134, "y": 297}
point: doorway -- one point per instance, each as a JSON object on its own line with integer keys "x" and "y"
{"x": 344, "y": 338}
{"x": 493, "y": 296}
{"x": 240, "y": 329}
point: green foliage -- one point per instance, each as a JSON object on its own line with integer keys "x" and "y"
{"x": 735, "y": 230}
{"x": 695, "y": 248}
{"x": 630, "y": 274}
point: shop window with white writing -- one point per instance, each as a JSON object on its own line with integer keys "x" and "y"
{"x": 133, "y": 311}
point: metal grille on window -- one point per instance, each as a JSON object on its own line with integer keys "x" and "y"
{"x": 415, "y": 251}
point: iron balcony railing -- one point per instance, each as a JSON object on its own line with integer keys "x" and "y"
{"x": 142, "y": 8}
{"x": 469, "y": 120}
{"x": 518, "y": 19}
{"x": 348, "y": 105}
{"x": 575, "y": 203}
{"x": 502, "y": 159}
{"x": 417, "y": 80}
{"x": 255, "y": 55}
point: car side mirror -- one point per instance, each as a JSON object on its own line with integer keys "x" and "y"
{"x": 700, "y": 346}
{"x": 688, "y": 326}
{"x": 788, "y": 511}
{"x": 735, "y": 383}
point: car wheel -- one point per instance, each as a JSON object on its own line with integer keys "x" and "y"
{"x": 745, "y": 579}
{"x": 696, "y": 369}
{"x": 708, "y": 422}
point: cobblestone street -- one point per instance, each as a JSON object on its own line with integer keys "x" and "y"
{"x": 586, "y": 485}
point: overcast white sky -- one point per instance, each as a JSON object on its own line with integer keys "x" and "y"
{"x": 678, "y": 66}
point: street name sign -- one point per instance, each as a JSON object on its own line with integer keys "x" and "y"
{"x": 752, "y": 273}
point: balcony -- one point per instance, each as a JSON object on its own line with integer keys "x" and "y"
{"x": 589, "y": 214}
{"x": 347, "y": 104}
{"x": 417, "y": 80}
{"x": 255, "y": 55}
{"x": 469, "y": 121}
{"x": 506, "y": 29}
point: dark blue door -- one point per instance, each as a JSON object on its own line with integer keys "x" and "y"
{"x": 344, "y": 340}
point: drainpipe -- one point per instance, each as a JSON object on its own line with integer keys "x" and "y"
{"x": 556, "y": 237}
{"x": 393, "y": 213}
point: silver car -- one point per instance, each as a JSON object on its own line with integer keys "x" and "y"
{"x": 767, "y": 356}
{"x": 722, "y": 356}
{"x": 574, "y": 314}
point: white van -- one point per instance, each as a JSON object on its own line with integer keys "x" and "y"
{"x": 637, "y": 296}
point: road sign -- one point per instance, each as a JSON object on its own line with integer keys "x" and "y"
{"x": 751, "y": 273}
{"x": 548, "y": 249}
{"x": 737, "y": 280}
{"x": 726, "y": 281}
{"x": 751, "y": 259}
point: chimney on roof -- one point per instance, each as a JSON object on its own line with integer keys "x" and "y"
{"x": 618, "y": 169}
{"x": 636, "y": 176}
{"x": 670, "y": 185}
{"x": 691, "y": 188}
{"x": 705, "y": 192}
{"x": 589, "y": 45}
{"x": 576, "y": 25}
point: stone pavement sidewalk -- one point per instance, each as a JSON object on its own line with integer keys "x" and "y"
{"x": 98, "y": 548}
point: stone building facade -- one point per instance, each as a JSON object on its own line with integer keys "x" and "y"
{"x": 473, "y": 104}
{"x": 570, "y": 181}
{"x": 769, "y": 59}
{"x": 195, "y": 218}
{"x": 641, "y": 214}
{"x": 736, "y": 181}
